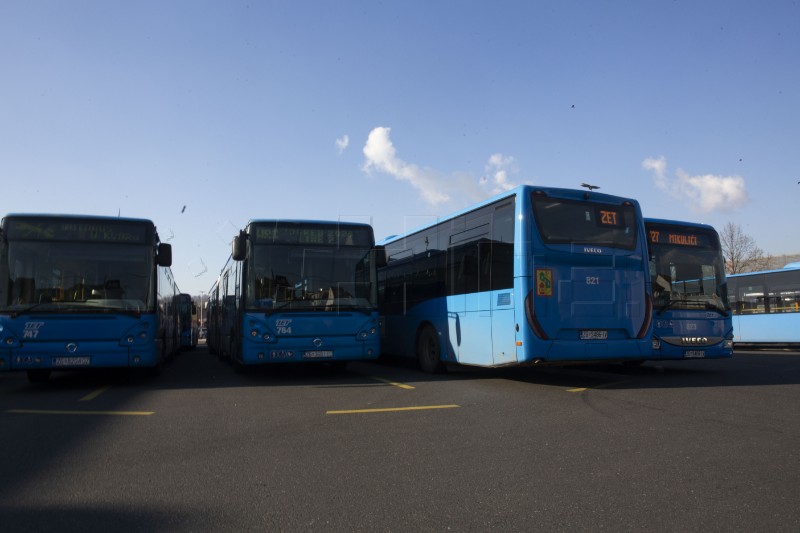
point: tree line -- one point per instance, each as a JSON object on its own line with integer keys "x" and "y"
{"x": 740, "y": 251}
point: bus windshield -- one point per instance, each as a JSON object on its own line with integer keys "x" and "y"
{"x": 561, "y": 221}
{"x": 687, "y": 271}
{"x": 303, "y": 278}
{"x": 76, "y": 276}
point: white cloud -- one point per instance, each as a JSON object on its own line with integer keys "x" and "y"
{"x": 342, "y": 143}
{"x": 703, "y": 193}
{"x": 435, "y": 188}
{"x": 381, "y": 156}
{"x": 497, "y": 169}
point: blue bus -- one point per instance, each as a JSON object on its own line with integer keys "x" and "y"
{"x": 766, "y": 307}
{"x": 295, "y": 291}
{"x": 187, "y": 318}
{"x": 213, "y": 320}
{"x": 691, "y": 314}
{"x": 533, "y": 276}
{"x": 80, "y": 292}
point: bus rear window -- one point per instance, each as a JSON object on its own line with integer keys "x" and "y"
{"x": 560, "y": 221}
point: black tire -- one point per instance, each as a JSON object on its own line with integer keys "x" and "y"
{"x": 428, "y": 352}
{"x": 38, "y": 376}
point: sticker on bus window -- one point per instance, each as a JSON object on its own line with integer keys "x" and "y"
{"x": 544, "y": 282}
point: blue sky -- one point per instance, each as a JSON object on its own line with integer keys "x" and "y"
{"x": 395, "y": 112}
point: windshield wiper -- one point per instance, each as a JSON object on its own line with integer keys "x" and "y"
{"x": 686, "y": 302}
{"x": 719, "y": 309}
{"x": 16, "y": 313}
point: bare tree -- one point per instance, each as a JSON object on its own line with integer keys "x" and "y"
{"x": 740, "y": 251}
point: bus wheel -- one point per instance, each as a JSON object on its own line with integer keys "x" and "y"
{"x": 428, "y": 351}
{"x": 38, "y": 376}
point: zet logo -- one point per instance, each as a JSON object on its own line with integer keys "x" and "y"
{"x": 31, "y": 330}
{"x": 544, "y": 282}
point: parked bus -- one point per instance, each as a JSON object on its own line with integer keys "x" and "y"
{"x": 187, "y": 313}
{"x": 213, "y": 320}
{"x": 296, "y": 291}
{"x": 535, "y": 275}
{"x": 766, "y": 307}
{"x": 691, "y": 315}
{"x": 80, "y": 292}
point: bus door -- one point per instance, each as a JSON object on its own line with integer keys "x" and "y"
{"x": 469, "y": 308}
{"x": 504, "y": 324}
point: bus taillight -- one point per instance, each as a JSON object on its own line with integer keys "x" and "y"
{"x": 531, "y": 316}
{"x": 648, "y": 316}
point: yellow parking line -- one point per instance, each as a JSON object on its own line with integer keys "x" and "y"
{"x": 393, "y": 383}
{"x": 60, "y": 412}
{"x": 391, "y": 409}
{"x": 91, "y": 396}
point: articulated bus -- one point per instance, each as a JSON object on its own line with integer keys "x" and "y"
{"x": 187, "y": 318}
{"x": 295, "y": 291}
{"x": 691, "y": 315}
{"x": 80, "y": 292}
{"x": 536, "y": 275}
{"x": 766, "y": 307}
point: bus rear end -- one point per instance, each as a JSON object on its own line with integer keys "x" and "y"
{"x": 587, "y": 295}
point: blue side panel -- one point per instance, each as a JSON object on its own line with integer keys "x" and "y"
{"x": 777, "y": 328}
{"x": 475, "y": 329}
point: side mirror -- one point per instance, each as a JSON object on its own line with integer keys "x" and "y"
{"x": 164, "y": 255}
{"x": 239, "y": 251}
{"x": 380, "y": 256}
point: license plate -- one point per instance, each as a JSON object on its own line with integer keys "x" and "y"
{"x": 72, "y": 361}
{"x": 694, "y": 354}
{"x": 594, "y": 335}
{"x": 318, "y": 354}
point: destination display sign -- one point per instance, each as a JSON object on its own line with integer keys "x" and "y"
{"x": 608, "y": 216}
{"x": 693, "y": 239}
{"x": 78, "y": 230}
{"x": 319, "y": 235}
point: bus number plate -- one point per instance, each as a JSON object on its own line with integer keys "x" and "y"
{"x": 72, "y": 361}
{"x": 694, "y": 354}
{"x": 318, "y": 354}
{"x": 594, "y": 335}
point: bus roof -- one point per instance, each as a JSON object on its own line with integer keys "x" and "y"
{"x": 678, "y": 223}
{"x": 56, "y": 216}
{"x": 519, "y": 191}
{"x": 787, "y": 268}
{"x": 299, "y": 221}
